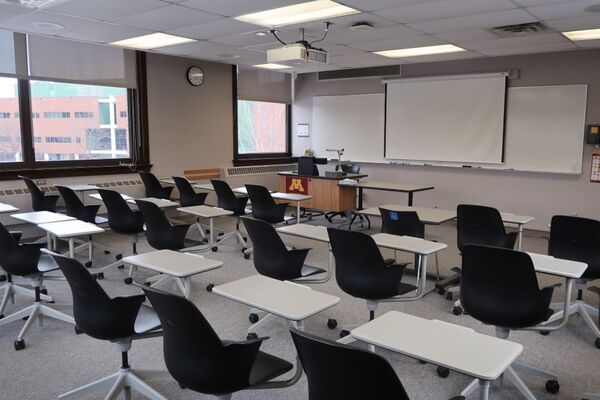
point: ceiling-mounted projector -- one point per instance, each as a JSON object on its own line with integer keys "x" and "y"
{"x": 298, "y": 53}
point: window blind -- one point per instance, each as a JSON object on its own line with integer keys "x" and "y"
{"x": 263, "y": 85}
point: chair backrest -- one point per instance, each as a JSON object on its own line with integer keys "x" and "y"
{"x": 75, "y": 207}
{"x": 121, "y": 218}
{"x": 307, "y": 166}
{"x": 152, "y": 185}
{"x": 336, "y": 371}
{"x": 577, "y": 239}
{"x": 187, "y": 194}
{"x": 158, "y": 227}
{"x": 350, "y": 168}
{"x": 499, "y": 287}
{"x": 37, "y": 196}
{"x": 94, "y": 311}
{"x": 401, "y": 223}
{"x": 479, "y": 225}
{"x": 16, "y": 259}
{"x": 194, "y": 354}
{"x": 270, "y": 253}
{"x": 225, "y": 197}
{"x": 359, "y": 265}
{"x": 260, "y": 197}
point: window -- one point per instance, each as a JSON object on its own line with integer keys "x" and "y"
{"x": 262, "y": 128}
{"x": 123, "y": 114}
{"x": 17, "y": 115}
{"x": 10, "y": 128}
{"x": 88, "y": 136}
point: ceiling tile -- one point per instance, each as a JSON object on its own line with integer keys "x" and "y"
{"x": 214, "y": 29}
{"x": 400, "y": 43}
{"x": 445, "y": 9}
{"x": 588, "y": 43}
{"x": 164, "y": 18}
{"x": 246, "y": 57}
{"x": 375, "y": 5}
{"x": 252, "y": 39}
{"x": 234, "y": 8}
{"x": 340, "y": 23}
{"x": 573, "y": 24}
{"x": 8, "y": 11}
{"x": 440, "y": 57}
{"x": 563, "y": 10}
{"x": 539, "y": 48}
{"x": 531, "y": 3}
{"x": 344, "y": 35}
{"x": 516, "y": 41}
{"x": 191, "y": 48}
{"x": 105, "y": 9}
{"x": 481, "y": 21}
{"x": 334, "y": 49}
{"x": 105, "y": 33}
{"x": 27, "y": 22}
{"x": 473, "y": 35}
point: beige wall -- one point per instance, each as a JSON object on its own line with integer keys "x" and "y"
{"x": 538, "y": 195}
{"x": 190, "y": 127}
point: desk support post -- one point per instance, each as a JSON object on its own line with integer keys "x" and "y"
{"x": 421, "y": 271}
{"x": 410, "y": 199}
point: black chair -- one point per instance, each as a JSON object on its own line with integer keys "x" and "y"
{"x": 119, "y": 320}
{"x": 263, "y": 205}
{"x": 578, "y": 239}
{"x": 154, "y": 188}
{"x": 27, "y": 260}
{"x": 227, "y": 200}
{"x": 348, "y": 169}
{"x": 199, "y": 360}
{"x": 361, "y": 271}
{"x": 337, "y": 371}
{"x": 123, "y": 220}
{"x": 39, "y": 200}
{"x": 273, "y": 259}
{"x": 76, "y": 208}
{"x": 160, "y": 233}
{"x": 405, "y": 223}
{"x": 499, "y": 287}
{"x": 187, "y": 194}
{"x": 477, "y": 225}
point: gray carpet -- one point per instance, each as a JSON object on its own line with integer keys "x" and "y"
{"x": 57, "y": 360}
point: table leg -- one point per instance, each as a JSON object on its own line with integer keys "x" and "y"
{"x": 212, "y": 232}
{"x": 360, "y": 198}
{"x": 299, "y": 324}
{"x": 187, "y": 284}
{"x": 520, "y": 237}
{"x": 49, "y": 241}
{"x": 72, "y": 247}
{"x": 484, "y": 389}
{"x": 297, "y": 212}
{"x": 410, "y": 199}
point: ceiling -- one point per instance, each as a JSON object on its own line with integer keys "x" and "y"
{"x": 397, "y": 24}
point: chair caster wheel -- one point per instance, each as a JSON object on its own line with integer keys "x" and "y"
{"x": 449, "y": 296}
{"x": 552, "y": 387}
{"x": 44, "y": 291}
{"x": 50, "y": 302}
{"x": 205, "y": 240}
{"x": 246, "y": 256}
{"x": 214, "y": 249}
{"x": 128, "y": 281}
{"x": 331, "y": 323}
{"x": 106, "y": 252}
{"x": 422, "y": 362}
{"x": 220, "y": 234}
{"x": 544, "y": 333}
{"x": 244, "y": 250}
{"x": 25, "y": 318}
{"x": 19, "y": 344}
{"x": 147, "y": 284}
{"x": 253, "y": 318}
{"x": 2, "y": 278}
{"x": 597, "y": 343}
{"x": 443, "y": 372}
{"x": 207, "y": 231}
{"x": 100, "y": 275}
{"x": 121, "y": 267}
{"x": 245, "y": 239}
{"x": 210, "y": 287}
{"x": 1, "y": 316}
{"x": 78, "y": 331}
{"x": 251, "y": 336}
{"x": 119, "y": 257}
{"x": 344, "y": 333}
{"x": 441, "y": 291}
{"x": 88, "y": 264}
{"x": 457, "y": 310}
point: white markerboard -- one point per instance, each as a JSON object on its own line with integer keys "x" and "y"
{"x": 352, "y": 122}
{"x": 544, "y": 128}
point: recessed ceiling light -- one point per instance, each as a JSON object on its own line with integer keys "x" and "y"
{"x": 361, "y": 26}
{"x": 51, "y": 26}
{"x": 272, "y": 66}
{"x": 420, "y": 51}
{"x": 261, "y": 33}
{"x": 303, "y": 12}
{"x": 152, "y": 41}
{"x": 588, "y": 34}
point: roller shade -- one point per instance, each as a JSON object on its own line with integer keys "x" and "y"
{"x": 7, "y": 53}
{"x": 263, "y": 85}
{"x": 64, "y": 60}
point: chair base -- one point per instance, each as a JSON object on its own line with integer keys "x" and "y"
{"x": 34, "y": 312}
{"x": 11, "y": 288}
{"x": 122, "y": 381}
{"x": 578, "y": 307}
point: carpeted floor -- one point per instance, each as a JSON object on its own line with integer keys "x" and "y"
{"x": 57, "y": 360}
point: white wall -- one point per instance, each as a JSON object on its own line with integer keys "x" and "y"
{"x": 538, "y": 195}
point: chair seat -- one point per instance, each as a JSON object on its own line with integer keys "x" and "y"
{"x": 308, "y": 270}
{"x": 100, "y": 220}
{"x": 404, "y": 288}
{"x": 146, "y": 320}
{"x": 47, "y": 263}
{"x": 267, "y": 367}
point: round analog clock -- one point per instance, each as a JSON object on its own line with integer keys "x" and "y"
{"x": 195, "y": 76}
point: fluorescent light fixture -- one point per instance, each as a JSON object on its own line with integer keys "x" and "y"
{"x": 588, "y": 34}
{"x": 272, "y": 66}
{"x": 152, "y": 41}
{"x": 37, "y": 3}
{"x": 420, "y": 51}
{"x": 298, "y": 13}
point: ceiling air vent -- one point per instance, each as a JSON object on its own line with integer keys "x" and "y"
{"x": 530, "y": 28}
{"x": 356, "y": 73}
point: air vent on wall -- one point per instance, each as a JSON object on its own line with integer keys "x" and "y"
{"x": 369, "y": 72}
{"x": 530, "y": 28}
{"x": 259, "y": 169}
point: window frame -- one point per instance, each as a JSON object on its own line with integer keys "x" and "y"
{"x": 138, "y": 137}
{"x": 258, "y": 158}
